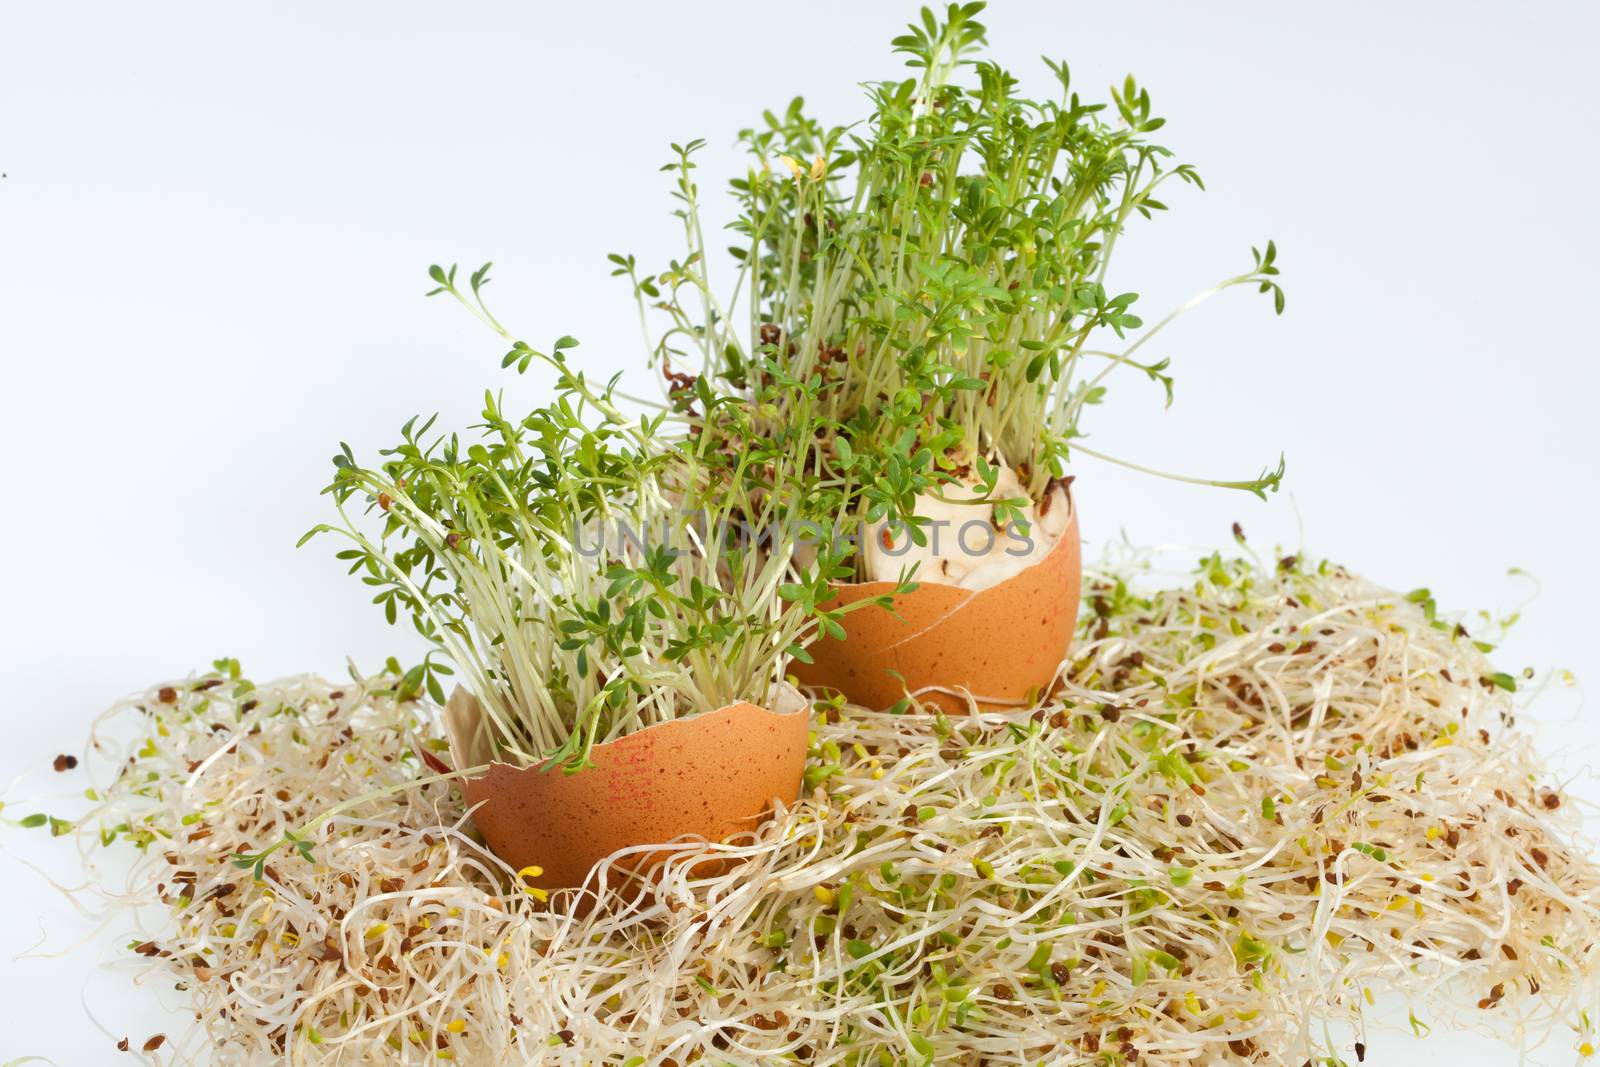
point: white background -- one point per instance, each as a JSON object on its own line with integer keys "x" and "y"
{"x": 215, "y": 222}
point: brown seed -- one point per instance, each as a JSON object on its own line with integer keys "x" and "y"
{"x": 167, "y": 695}
{"x": 155, "y": 1042}
{"x": 1059, "y": 972}
{"x": 122, "y": 1046}
{"x": 64, "y": 762}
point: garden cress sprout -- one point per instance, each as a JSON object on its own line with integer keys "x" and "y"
{"x": 587, "y": 575}
{"x": 940, "y": 270}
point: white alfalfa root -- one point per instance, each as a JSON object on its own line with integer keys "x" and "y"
{"x": 1254, "y": 800}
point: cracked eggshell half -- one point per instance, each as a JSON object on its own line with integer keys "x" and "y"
{"x": 1000, "y": 646}
{"x": 708, "y": 776}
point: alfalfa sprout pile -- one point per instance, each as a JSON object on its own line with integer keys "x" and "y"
{"x": 1258, "y": 798}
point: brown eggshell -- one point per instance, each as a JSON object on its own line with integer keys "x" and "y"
{"x": 709, "y": 776}
{"x": 1001, "y": 645}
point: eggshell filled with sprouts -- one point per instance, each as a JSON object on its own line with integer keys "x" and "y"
{"x": 710, "y": 776}
{"x": 995, "y": 647}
